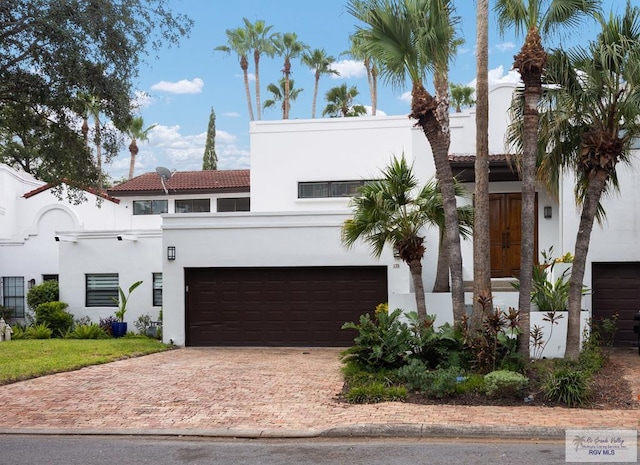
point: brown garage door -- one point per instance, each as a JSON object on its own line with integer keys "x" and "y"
{"x": 288, "y": 306}
{"x": 616, "y": 289}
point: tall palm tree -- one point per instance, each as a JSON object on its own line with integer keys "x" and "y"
{"x": 481, "y": 226}
{"x": 277, "y": 94}
{"x": 318, "y": 60}
{"x": 261, "y": 42}
{"x": 461, "y": 96}
{"x": 136, "y": 132}
{"x": 288, "y": 46}
{"x": 358, "y": 53}
{"x": 592, "y": 118}
{"x": 411, "y": 39}
{"x": 340, "y": 102}
{"x": 238, "y": 42}
{"x": 535, "y": 17}
{"x": 394, "y": 211}
{"x": 91, "y": 108}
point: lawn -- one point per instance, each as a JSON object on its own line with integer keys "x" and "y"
{"x": 24, "y": 359}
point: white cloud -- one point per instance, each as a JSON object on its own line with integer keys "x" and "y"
{"x": 349, "y": 69}
{"x": 406, "y": 97}
{"x": 505, "y": 46}
{"x": 141, "y": 100}
{"x": 497, "y": 76}
{"x": 183, "y": 86}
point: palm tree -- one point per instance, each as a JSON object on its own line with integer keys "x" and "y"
{"x": 357, "y": 52}
{"x": 277, "y": 94}
{"x": 394, "y": 211}
{"x": 591, "y": 120}
{"x": 261, "y": 42}
{"x": 92, "y": 107}
{"x": 534, "y": 17}
{"x": 136, "y": 132}
{"x": 481, "y": 226}
{"x": 238, "y": 42}
{"x": 320, "y": 63}
{"x": 409, "y": 39}
{"x": 462, "y": 96}
{"x": 340, "y": 102}
{"x": 288, "y": 46}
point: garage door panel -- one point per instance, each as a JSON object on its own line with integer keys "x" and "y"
{"x": 302, "y": 306}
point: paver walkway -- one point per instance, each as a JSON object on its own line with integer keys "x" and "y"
{"x": 279, "y": 391}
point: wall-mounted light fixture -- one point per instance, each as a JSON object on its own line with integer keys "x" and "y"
{"x": 65, "y": 239}
{"x": 547, "y": 212}
{"x": 127, "y": 237}
{"x": 171, "y": 253}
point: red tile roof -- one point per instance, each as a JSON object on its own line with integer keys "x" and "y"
{"x": 48, "y": 186}
{"x": 185, "y": 182}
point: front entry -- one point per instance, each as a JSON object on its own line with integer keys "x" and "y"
{"x": 506, "y": 233}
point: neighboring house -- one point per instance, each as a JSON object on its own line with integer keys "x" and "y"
{"x": 275, "y": 272}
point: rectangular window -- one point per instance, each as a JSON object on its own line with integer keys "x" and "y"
{"x": 50, "y": 277}
{"x": 150, "y": 207}
{"x": 315, "y": 190}
{"x": 101, "y": 290}
{"x": 157, "y": 289}
{"x": 193, "y": 206}
{"x": 239, "y": 204}
{"x": 13, "y": 295}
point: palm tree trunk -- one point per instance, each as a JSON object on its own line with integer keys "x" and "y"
{"x": 256, "y": 60}
{"x": 441, "y": 283}
{"x": 98, "y": 142}
{"x": 589, "y": 208}
{"x": 287, "y": 88}
{"x": 481, "y": 229}
{"x": 245, "y": 71}
{"x": 374, "y": 89}
{"x": 315, "y": 95}
{"x": 415, "y": 268}
{"x": 133, "y": 150}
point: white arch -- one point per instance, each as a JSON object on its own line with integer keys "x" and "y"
{"x": 72, "y": 214}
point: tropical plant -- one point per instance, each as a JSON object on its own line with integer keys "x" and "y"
{"x": 238, "y": 42}
{"x": 89, "y": 331}
{"x": 288, "y": 46}
{"x": 318, "y": 60}
{"x": 340, "y": 102}
{"x": 39, "y": 331}
{"x": 123, "y": 300}
{"x": 277, "y": 94}
{"x": 136, "y": 132}
{"x": 261, "y": 40}
{"x": 92, "y": 107}
{"x": 534, "y": 17}
{"x": 357, "y": 52}
{"x": 537, "y": 334}
{"x": 591, "y": 118}
{"x": 55, "y": 317}
{"x": 461, "y": 96}
{"x": 569, "y": 386}
{"x": 410, "y": 39}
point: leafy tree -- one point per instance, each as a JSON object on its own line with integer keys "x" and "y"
{"x": 277, "y": 94}
{"x": 411, "y": 39}
{"x": 261, "y": 42}
{"x": 136, "y": 132}
{"x": 320, "y": 63}
{"x": 288, "y": 46}
{"x": 461, "y": 96}
{"x": 52, "y": 53}
{"x": 238, "y": 42}
{"x": 210, "y": 159}
{"x": 534, "y": 17}
{"x": 340, "y": 102}
{"x": 590, "y": 122}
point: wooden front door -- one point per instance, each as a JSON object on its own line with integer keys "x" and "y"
{"x": 506, "y": 232}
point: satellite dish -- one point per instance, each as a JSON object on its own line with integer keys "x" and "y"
{"x": 165, "y": 175}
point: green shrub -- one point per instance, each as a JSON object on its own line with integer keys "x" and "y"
{"x": 91, "y": 331}
{"x": 375, "y": 392}
{"x": 504, "y": 383}
{"x": 471, "y": 384}
{"x": 40, "y": 331}
{"x": 441, "y": 382}
{"x": 54, "y": 315}
{"x": 5, "y": 313}
{"x": 415, "y": 375}
{"x": 568, "y": 386}
{"x": 17, "y": 332}
{"x": 42, "y": 293}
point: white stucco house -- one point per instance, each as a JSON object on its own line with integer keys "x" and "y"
{"x": 253, "y": 257}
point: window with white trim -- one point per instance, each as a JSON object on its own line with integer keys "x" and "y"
{"x": 150, "y": 207}
{"x": 13, "y": 295}
{"x": 157, "y": 289}
{"x": 193, "y": 205}
{"x": 101, "y": 290}
{"x": 324, "y": 189}
{"x": 234, "y": 204}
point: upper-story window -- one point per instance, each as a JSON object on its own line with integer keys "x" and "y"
{"x": 193, "y": 205}
{"x": 314, "y": 190}
{"x": 235, "y": 204}
{"x": 150, "y": 207}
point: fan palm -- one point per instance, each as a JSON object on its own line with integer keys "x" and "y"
{"x": 288, "y": 46}
{"x": 136, "y": 132}
{"x": 461, "y": 96}
{"x": 277, "y": 94}
{"x": 410, "y": 39}
{"x": 357, "y": 52}
{"x": 261, "y": 42}
{"x": 320, "y": 63}
{"x": 239, "y": 43}
{"x": 340, "y": 102}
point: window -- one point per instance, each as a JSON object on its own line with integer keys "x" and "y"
{"x": 193, "y": 206}
{"x": 101, "y": 290}
{"x": 239, "y": 204}
{"x": 150, "y": 207}
{"x": 157, "y": 289}
{"x": 50, "y": 277}
{"x": 13, "y": 295}
{"x": 314, "y": 190}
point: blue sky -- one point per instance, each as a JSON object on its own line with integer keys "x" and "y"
{"x": 183, "y": 83}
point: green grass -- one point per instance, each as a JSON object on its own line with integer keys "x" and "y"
{"x": 24, "y": 359}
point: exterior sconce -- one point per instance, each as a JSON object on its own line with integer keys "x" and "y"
{"x": 547, "y": 212}
{"x": 171, "y": 253}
